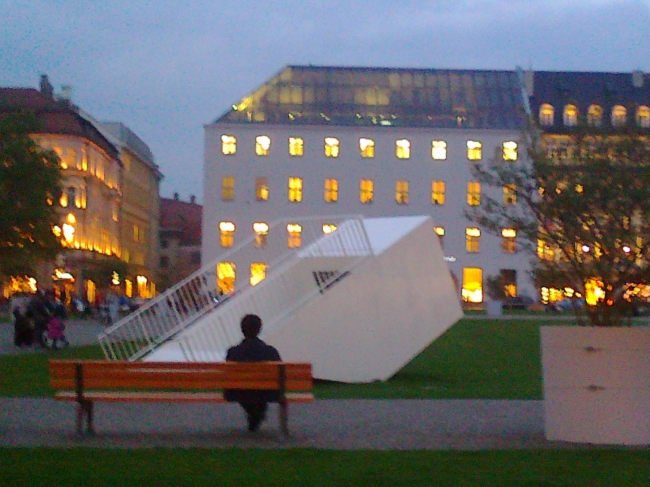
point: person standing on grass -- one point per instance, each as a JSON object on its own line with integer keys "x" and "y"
{"x": 23, "y": 334}
{"x": 252, "y": 349}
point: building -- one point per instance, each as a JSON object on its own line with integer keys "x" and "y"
{"x": 180, "y": 239}
{"x": 370, "y": 141}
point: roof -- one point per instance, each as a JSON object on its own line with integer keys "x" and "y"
{"x": 353, "y": 96}
{"x": 182, "y": 217}
{"x": 55, "y": 116}
{"x": 131, "y": 141}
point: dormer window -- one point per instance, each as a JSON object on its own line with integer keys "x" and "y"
{"x": 643, "y": 117}
{"x": 594, "y": 116}
{"x": 546, "y": 115}
{"x": 619, "y": 115}
{"x": 570, "y": 116}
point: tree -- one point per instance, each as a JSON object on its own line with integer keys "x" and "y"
{"x": 30, "y": 183}
{"x": 581, "y": 210}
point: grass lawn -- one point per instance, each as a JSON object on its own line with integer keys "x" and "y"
{"x": 181, "y": 467}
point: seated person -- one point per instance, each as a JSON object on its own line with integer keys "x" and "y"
{"x": 252, "y": 349}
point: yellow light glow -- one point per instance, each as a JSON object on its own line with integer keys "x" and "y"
{"x": 474, "y": 150}
{"x": 331, "y": 147}
{"x": 56, "y": 230}
{"x": 296, "y": 146}
{"x": 473, "y": 232}
{"x": 227, "y": 226}
{"x": 294, "y": 228}
{"x": 68, "y": 233}
{"x": 510, "y": 151}
{"x": 329, "y": 228}
{"x": 367, "y": 147}
{"x": 258, "y": 273}
{"x": 228, "y": 144}
{"x": 262, "y": 145}
{"x": 439, "y": 150}
{"x": 260, "y": 227}
{"x": 508, "y": 233}
{"x": 440, "y": 231}
{"x": 71, "y": 218}
{"x": 402, "y": 149}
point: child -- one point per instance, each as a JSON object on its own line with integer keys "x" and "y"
{"x": 55, "y": 328}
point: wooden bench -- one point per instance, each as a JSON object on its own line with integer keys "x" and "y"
{"x": 89, "y": 381}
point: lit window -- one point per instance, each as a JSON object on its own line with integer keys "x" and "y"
{"x": 331, "y": 147}
{"x": 439, "y": 150}
{"x": 508, "y": 240}
{"x": 294, "y": 235}
{"x": 474, "y": 150}
{"x": 296, "y": 146}
{"x": 509, "y": 194}
{"x": 643, "y": 117}
{"x": 331, "y": 190}
{"x": 402, "y": 192}
{"x": 262, "y": 145}
{"x": 366, "y": 190}
{"x": 261, "y": 230}
{"x": 570, "y": 116}
{"x": 227, "y": 232}
{"x": 509, "y": 151}
{"x": 261, "y": 189}
{"x": 228, "y": 188}
{"x": 544, "y": 250}
{"x": 473, "y": 193}
{"x": 63, "y": 200}
{"x": 136, "y": 233}
{"x": 472, "y": 239}
{"x": 594, "y": 116}
{"x": 328, "y": 228}
{"x": 258, "y": 272}
{"x": 440, "y": 231}
{"x": 228, "y": 144}
{"x": 619, "y": 115}
{"x": 367, "y": 147}
{"x": 472, "y": 291}
{"x": 402, "y": 149}
{"x": 438, "y": 192}
{"x": 546, "y": 115}
{"x": 295, "y": 190}
{"x": 226, "y": 275}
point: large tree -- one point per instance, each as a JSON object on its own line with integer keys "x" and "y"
{"x": 581, "y": 210}
{"x": 30, "y": 183}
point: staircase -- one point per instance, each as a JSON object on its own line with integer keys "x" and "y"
{"x": 193, "y": 322}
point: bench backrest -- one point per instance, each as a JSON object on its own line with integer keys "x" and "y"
{"x": 105, "y": 375}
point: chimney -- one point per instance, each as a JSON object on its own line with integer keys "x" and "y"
{"x": 46, "y": 86}
{"x": 192, "y": 199}
{"x": 638, "y": 78}
{"x": 529, "y": 82}
{"x": 66, "y": 93}
{"x": 175, "y": 196}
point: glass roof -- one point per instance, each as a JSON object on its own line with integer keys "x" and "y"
{"x": 437, "y": 98}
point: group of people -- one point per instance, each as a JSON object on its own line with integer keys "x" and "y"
{"x": 41, "y": 322}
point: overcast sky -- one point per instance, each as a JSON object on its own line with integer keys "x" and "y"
{"x": 165, "y": 68}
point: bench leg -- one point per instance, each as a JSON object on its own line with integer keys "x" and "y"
{"x": 80, "y": 419}
{"x": 284, "y": 418}
{"x": 89, "y": 417}
{"x": 85, "y": 408}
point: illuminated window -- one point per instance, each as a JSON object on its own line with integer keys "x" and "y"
{"x": 544, "y": 251}
{"x": 472, "y": 291}
{"x": 295, "y": 190}
{"x": 226, "y": 275}
{"x": 472, "y": 239}
{"x": 261, "y": 189}
{"x": 440, "y": 231}
{"x": 509, "y": 151}
{"x": 80, "y": 198}
{"x": 473, "y": 193}
{"x": 367, "y": 147}
{"x": 643, "y": 117}
{"x": 296, "y": 146}
{"x": 438, "y": 192}
{"x": 570, "y": 116}
{"x": 402, "y": 192}
{"x": 331, "y": 190}
{"x": 594, "y": 116}
{"x": 474, "y": 150}
{"x": 509, "y": 194}
{"x": 258, "y": 272}
{"x": 366, "y": 190}
{"x": 261, "y": 230}
{"x": 228, "y": 144}
{"x": 63, "y": 200}
{"x": 227, "y": 232}
{"x": 508, "y": 236}
{"x": 439, "y": 150}
{"x": 619, "y": 115}
{"x": 328, "y": 228}
{"x": 262, "y": 145}
{"x": 294, "y": 232}
{"x": 331, "y": 147}
{"x": 228, "y": 188}
{"x": 136, "y": 233}
{"x": 402, "y": 149}
{"x": 546, "y": 115}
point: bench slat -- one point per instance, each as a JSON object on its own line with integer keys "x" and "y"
{"x": 113, "y": 396}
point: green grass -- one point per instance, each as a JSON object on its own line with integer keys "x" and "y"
{"x": 323, "y": 468}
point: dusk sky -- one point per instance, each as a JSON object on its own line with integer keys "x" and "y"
{"x": 166, "y": 68}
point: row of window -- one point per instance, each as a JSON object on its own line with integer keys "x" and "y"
{"x": 594, "y": 115}
{"x": 294, "y": 235}
{"x": 366, "y": 191}
{"x": 332, "y": 145}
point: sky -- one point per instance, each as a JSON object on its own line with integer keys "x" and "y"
{"x": 166, "y": 68}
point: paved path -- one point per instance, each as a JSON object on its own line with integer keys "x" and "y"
{"x": 78, "y": 332}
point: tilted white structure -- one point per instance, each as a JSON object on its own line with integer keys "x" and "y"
{"x": 358, "y": 304}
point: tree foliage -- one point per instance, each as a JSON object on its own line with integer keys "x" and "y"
{"x": 581, "y": 210}
{"x": 30, "y": 182}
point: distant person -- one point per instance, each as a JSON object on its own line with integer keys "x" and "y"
{"x": 113, "y": 307}
{"x": 38, "y": 311}
{"x": 23, "y": 334}
{"x": 252, "y": 349}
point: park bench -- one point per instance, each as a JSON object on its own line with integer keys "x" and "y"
{"x": 88, "y": 381}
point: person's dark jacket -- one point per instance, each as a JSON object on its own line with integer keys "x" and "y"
{"x": 252, "y": 350}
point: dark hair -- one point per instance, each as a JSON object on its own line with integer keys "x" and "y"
{"x": 251, "y": 326}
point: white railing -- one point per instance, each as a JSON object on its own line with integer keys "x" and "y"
{"x": 195, "y": 299}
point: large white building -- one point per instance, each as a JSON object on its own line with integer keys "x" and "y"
{"x": 374, "y": 142}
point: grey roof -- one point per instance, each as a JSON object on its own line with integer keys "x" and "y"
{"x": 130, "y": 140}
{"x": 352, "y": 96}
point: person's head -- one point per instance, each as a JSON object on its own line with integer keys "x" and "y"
{"x": 251, "y": 326}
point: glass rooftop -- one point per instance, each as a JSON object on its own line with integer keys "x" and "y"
{"x": 437, "y": 98}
